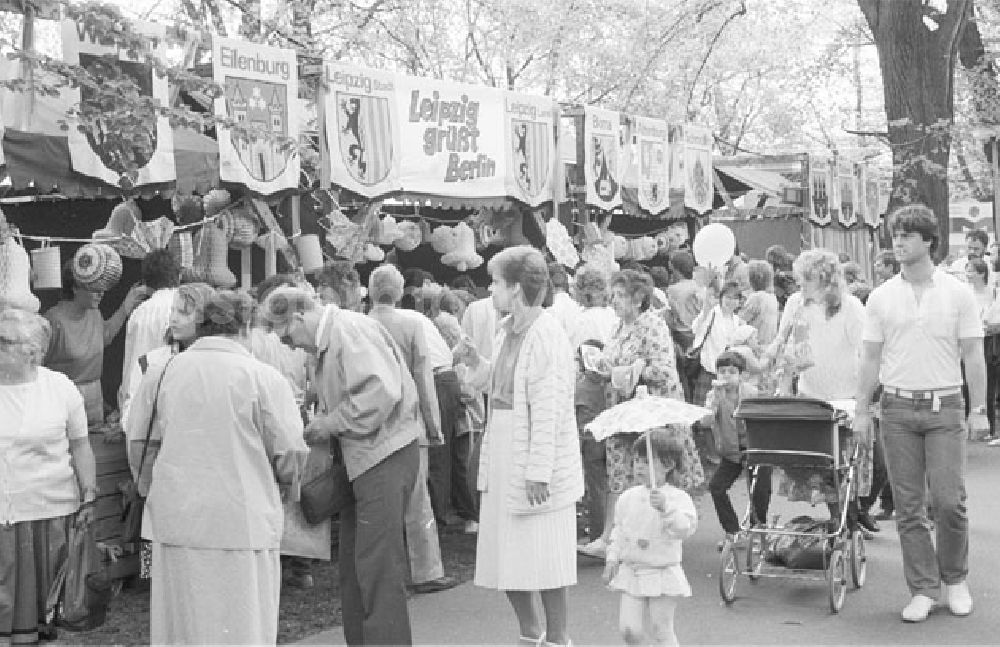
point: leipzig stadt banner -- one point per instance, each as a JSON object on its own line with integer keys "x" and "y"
{"x": 389, "y": 132}
{"x": 260, "y": 86}
{"x": 143, "y": 154}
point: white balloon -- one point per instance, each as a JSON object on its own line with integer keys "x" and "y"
{"x": 714, "y": 245}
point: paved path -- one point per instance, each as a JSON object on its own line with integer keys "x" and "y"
{"x": 771, "y": 612}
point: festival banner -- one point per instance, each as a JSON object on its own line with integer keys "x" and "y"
{"x": 872, "y": 199}
{"x": 848, "y": 201}
{"x": 698, "y": 184}
{"x": 120, "y": 157}
{"x": 362, "y": 129}
{"x": 260, "y": 91}
{"x": 531, "y": 147}
{"x": 601, "y": 129}
{"x": 628, "y": 153}
{"x": 675, "y": 153}
{"x": 452, "y": 138}
{"x": 654, "y": 164}
{"x": 819, "y": 190}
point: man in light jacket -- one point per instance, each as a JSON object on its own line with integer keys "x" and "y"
{"x": 369, "y": 403}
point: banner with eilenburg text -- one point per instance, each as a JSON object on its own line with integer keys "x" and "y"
{"x": 654, "y": 164}
{"x": 531, "y": 147}
{"x": 121, "y": 157}
{"x": 698, "y": 184}
{"x": 260, "y": 85}
{"x": 601, "y": 156}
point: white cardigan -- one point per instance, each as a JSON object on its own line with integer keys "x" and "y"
{"x": 546, "y": 444}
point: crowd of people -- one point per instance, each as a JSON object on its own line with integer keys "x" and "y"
{"x": 447, "y": 407}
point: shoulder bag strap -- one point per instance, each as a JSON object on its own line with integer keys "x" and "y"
{"x": 152, "y": 418}
{"x": 696, "y": 350}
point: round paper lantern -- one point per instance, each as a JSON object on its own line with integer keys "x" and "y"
{"x": 714, "y": 245}
{"x": 15, "y": 277}
{"x": 410, "y": 236}
{"x": 97, "y": 267}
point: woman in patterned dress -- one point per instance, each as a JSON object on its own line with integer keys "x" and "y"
{"x": 642, "y": 341}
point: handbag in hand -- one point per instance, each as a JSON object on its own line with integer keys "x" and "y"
{"x": 329, "y": 490}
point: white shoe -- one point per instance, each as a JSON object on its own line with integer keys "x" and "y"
{"x": 994, "y": 443}
{"x": 959, "y": 599}
{"x": 471, "y": 528}
{"x": 918, "y": 609}
{"x": 597, "y": 548}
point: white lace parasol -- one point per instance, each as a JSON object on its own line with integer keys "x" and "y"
{"x": 642, "y": 413}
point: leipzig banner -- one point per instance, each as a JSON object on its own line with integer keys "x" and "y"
{"x": 654, "y": 164}
{"x": 531, "y": 147}
{"x": 601, "y": 157}
{"x": 261, "y": 88}
{"x": 121, "y": 157}
{"x": 698, "y": 184}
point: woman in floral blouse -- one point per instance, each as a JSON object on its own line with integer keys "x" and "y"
{"x": 642, "y": 341}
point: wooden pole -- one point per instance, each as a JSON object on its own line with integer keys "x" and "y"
{"x": 995, "y": 143}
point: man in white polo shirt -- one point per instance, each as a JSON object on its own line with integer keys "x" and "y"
{"x": 920, "y": 326}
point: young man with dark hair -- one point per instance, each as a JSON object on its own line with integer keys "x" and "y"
{"x": 920, "y": 327}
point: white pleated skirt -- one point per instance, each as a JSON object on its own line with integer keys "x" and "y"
{"x": 214, "y": 597}
{"x": 519, "y": 552}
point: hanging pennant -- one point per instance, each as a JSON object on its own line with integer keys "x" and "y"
{"x": 531, "y": 147}
{"x": 601, "y": 158}
{"x": 260, "y": 85}
{"x": 117, "y": 148}
{"x": 653, "y": 169}
{"x": 819, "y": 191}
{"x": 698, "y": 185}
{"x": 846, "y": 179}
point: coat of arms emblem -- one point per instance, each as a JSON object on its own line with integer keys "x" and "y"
{"x": 263, "y": 107}
{"x": 364, "y": 125}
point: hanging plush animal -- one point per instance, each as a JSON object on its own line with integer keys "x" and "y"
{"x": 443, "y": 240}
{"x": 212, "y": 261}
{"x": 188, "y": 209}
{"x": 388, "y": 231}
{"x": 123, "y": 231}
{"x": 373, "y": 254}
{"x": 464, "y": 256}
{"x": 15, "y": 276}
{"x": 410, "y": 236}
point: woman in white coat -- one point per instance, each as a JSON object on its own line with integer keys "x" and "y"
{"x": 530, "y": 473}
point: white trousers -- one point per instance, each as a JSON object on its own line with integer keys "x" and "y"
{"x": 421, "y": 530}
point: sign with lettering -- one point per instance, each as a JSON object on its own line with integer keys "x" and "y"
{"x": 260, "y": 91}
{"x": 698, "y": 185}
{"x": 654, "y": 164}
{"x": 362, "y": 129}
{"x": 119, "y": 149}
{"x": 531, "y": 147}
{"x": 601, "y": 156}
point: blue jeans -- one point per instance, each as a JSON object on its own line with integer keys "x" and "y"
{"x": 925, "y": 448}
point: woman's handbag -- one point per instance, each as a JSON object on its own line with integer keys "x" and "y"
{"x": 78, "y": 599}
{"x": 329, "y": 491}
{"x": 692, "y": 358}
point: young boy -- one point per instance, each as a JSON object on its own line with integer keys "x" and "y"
{"x": 730, "y": 438}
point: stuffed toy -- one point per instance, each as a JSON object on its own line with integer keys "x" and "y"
{"x": 443, "y": 240}
{"x": 464, "y": 256}
{"x": 188, "y": 209}
{"x": 15, "y": 275}
{"x": 123, "y": 231}
{"x": 211, "y": 261}
{"x": 410, "y": 236}
{"x": 388, "y": 231}
{"x": 373, "y": 254}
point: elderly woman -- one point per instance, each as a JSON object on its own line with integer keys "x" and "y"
{"x": 530, "y": 473}
{"x": 46, "y": 470}
{"x": 819, "y": 341}
{"x": 223, "y": 432}
{"x": 761, "y": 309}
{"x": 641, "y": 351}
{"x": 338, "y": 283}
{"x": 79, "y": 335}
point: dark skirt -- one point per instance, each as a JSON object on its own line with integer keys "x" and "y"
{"x": 30, "y": 556}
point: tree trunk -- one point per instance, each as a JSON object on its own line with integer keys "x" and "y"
{"x": 918, "y": 67}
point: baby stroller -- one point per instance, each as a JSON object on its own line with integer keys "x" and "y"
{"x": 799, "y": 433}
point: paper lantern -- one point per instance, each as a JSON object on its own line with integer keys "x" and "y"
{"x": 212, "y": 256}
{"x": 215, "y": 201}
{"x": 464, "y": 256}
{"x": 188, "y": 209}
{"x": 410, "y": 236}
{"x": 443, "y": 240}
{"x": 310, "y": 253}
{"x": 373, "y": 254}
{"x": 181, "y": 247}
{"x": 388, "y": 231}
{"x": 243, "y": 229}
{"x": 97, "y": 267}
{"x": 15, "y": 277}
{"x": 47, "y": 268}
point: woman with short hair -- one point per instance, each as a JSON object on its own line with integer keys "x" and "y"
{"x": 761, "y": 309}
{"x": 47, "y": 472}
{"x": 529, "y": 474}
{"x": 339, "y": 283}
{"x": 224, "y": 433}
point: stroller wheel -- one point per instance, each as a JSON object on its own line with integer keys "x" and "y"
{"x": 755, "y": 555}
{"x": 836, "y": 578}
{"x": 729, "y": 568}
{"x": 859, "y": 559}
